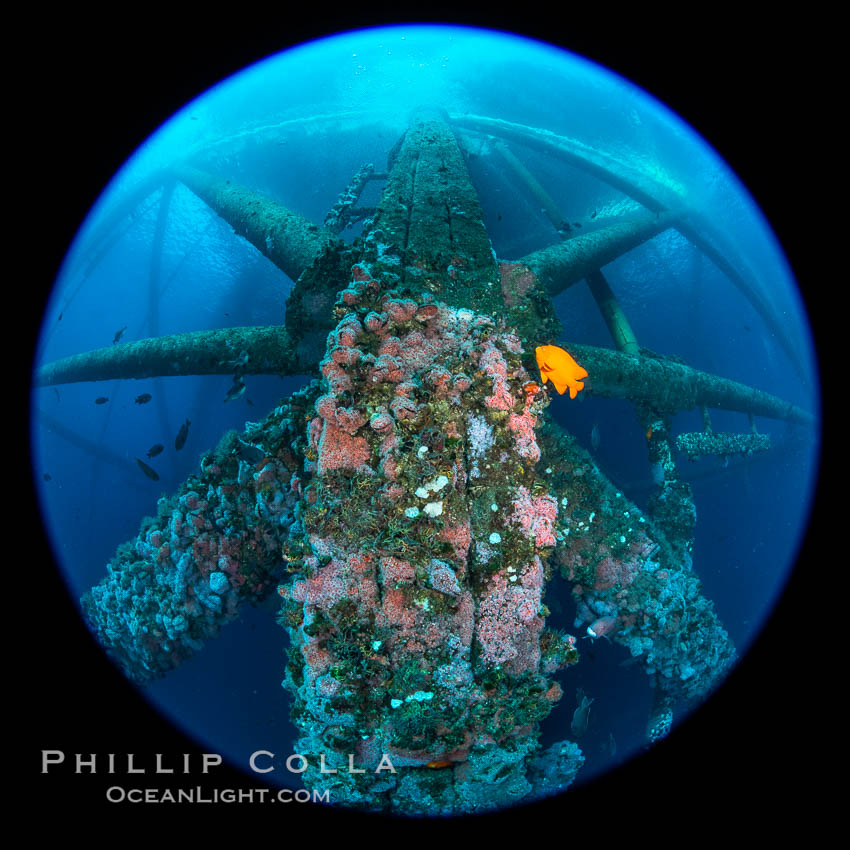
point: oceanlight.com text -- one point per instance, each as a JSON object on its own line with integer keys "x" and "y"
{"x": 118, "y": 794}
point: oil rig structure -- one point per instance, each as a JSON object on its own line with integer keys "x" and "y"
{"x": 410, "y": 506}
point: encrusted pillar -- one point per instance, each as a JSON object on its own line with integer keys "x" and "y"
{"x": 615, "y": 319}
{"x": 429, "y": 221}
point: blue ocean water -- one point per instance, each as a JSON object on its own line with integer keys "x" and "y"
{"x": 357, "y": 92}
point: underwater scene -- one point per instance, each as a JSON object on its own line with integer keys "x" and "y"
{"x": 437, "y": 406}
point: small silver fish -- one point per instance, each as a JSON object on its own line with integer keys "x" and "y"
{"x": 149, "y": 471}
{"x": 594, "y": 437}
{"x": 581, "y": 716}
{"x": 609, "y": 747}
{"x": 182, "y": 434}
{"x": 236, "y": 390}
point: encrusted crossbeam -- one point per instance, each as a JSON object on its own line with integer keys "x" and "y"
{"x": 697, "y": 444}
{"x": 564, "y": 264}
{"x": 288, "y": 239}
{"x": 670, "y": 386}
{"x": 251, "y": 351}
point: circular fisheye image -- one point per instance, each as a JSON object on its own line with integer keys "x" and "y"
{"x": 426, "y": 419}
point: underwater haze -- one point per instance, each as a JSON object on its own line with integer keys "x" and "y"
{"x": 559, "y": 152}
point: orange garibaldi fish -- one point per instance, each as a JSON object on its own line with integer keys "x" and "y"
{"x": 557, "y": 366}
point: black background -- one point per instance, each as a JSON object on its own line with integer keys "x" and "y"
{"x": 93, "y": 87}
